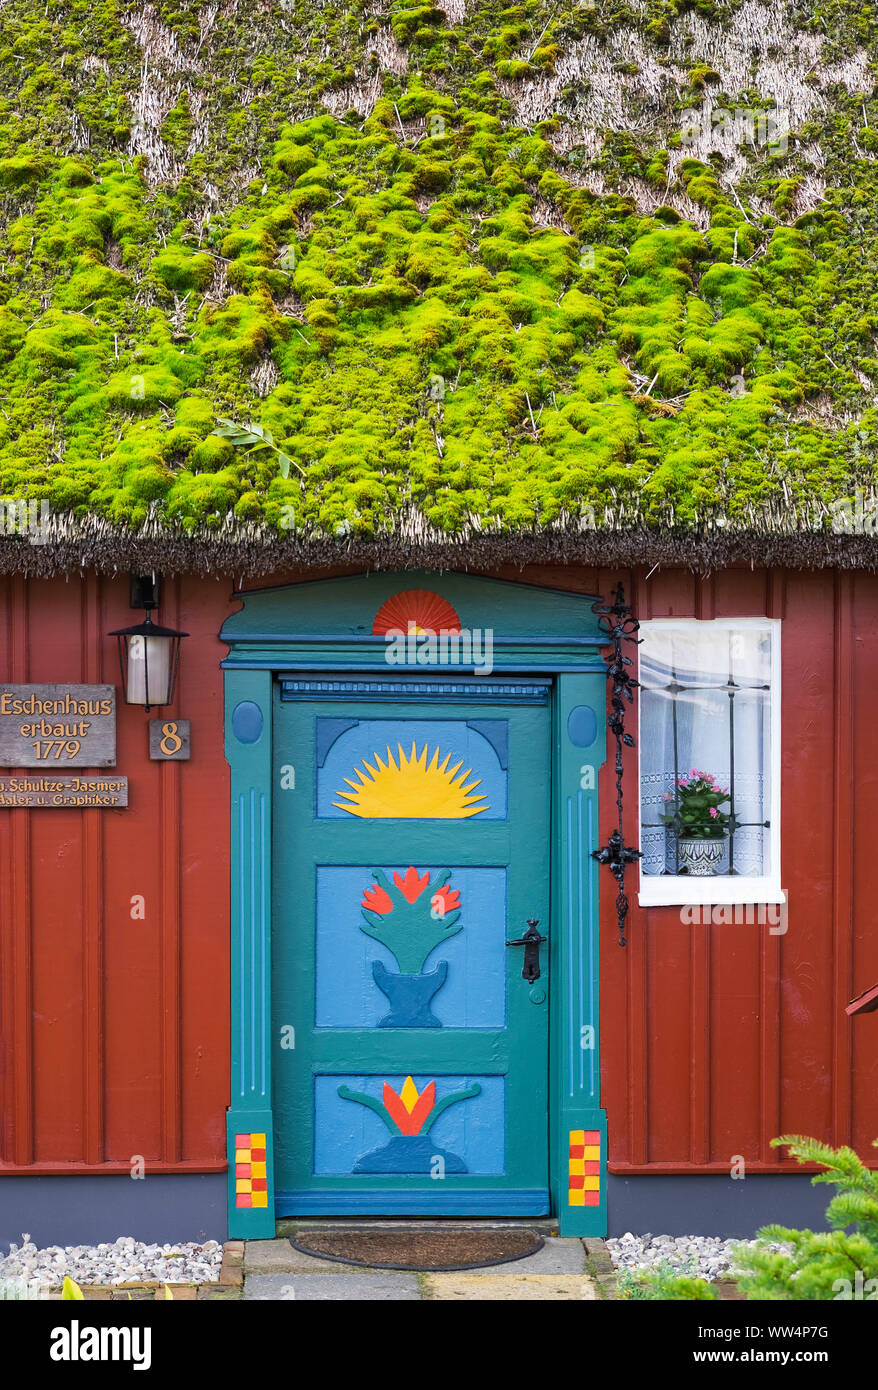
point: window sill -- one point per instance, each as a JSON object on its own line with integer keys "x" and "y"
{"x": 669, "y": 890}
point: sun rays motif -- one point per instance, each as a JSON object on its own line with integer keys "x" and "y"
{"x": 412, "y": 787}
{"x": 415, "y": 610}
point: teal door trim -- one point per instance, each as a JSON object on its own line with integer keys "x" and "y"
{"x": 288, "y": 632}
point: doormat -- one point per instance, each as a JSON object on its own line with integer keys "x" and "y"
{"x": 430, "y": 1251}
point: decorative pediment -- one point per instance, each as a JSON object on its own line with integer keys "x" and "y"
{"x": 414, "y": 619}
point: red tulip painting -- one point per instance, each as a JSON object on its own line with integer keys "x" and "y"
{"x": 409, "y": 1115}
{"x": 411, "y": 916}
{"x": 408, "y": 1110}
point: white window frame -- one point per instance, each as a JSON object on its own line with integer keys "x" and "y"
{"x": 657, "y": 890}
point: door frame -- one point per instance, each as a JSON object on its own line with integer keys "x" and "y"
{"x": 536, "y": 631}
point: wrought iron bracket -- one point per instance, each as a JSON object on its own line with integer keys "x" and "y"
{"x": 620, "y": 626}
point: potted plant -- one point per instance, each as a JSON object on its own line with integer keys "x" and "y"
{"x": 702, "y": 828}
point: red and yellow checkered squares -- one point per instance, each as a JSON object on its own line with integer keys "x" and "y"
{"x": 251, "y": 1174}
{"x": 584, "y": 1168}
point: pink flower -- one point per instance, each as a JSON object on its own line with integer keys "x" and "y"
{"x": 713, "y": 813}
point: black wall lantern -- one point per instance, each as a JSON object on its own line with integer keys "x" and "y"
{"x": 149, "y": 655}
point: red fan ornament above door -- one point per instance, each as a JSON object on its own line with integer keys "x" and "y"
{"x": 415, "y": 610}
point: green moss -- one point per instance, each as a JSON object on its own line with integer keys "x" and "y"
{"x": 182, "y": 269}
{"x": 443, "y": 317}
{"x": 21, "y": 170}
{"x": 211, "y": 454}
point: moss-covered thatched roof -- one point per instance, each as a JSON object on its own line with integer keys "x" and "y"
{"x": 283, "y": 280}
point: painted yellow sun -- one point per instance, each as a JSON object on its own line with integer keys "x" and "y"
{"x": 412, "y": 787}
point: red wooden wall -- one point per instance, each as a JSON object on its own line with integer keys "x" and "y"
{"x": 114, "y": 1031}
{"x": 718, "y": 1038}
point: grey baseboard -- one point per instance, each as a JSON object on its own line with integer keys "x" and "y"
{"x": 87, "y": 1210}
{"x": 713, "y": 1205}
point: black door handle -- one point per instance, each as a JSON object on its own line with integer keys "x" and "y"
{"x": 531, "y": 943}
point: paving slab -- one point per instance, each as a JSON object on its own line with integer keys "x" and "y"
{"x": 381, "y": 1286}
{"x": 559, "y": 1255}
{"x": 491, "y": 1286}
{"x": 279, "y": 1257}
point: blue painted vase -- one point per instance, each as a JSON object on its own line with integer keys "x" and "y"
{"x": 409, "y": 1153}
{"x": 409, "y": 996}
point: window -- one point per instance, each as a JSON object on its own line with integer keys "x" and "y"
{"x": 710, "y": 761}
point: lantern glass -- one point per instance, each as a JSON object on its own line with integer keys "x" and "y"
{"x": 149, "y": 670}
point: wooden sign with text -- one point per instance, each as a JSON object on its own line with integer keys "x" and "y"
{"x": 57, "y": 726}
{"x": 78, "y": 792}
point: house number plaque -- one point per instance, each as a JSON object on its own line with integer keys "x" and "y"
{"x": 169, "y": 740}
{"x": 57, "y": 726}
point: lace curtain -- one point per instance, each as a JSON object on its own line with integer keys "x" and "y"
{"x": 705, "y": 704}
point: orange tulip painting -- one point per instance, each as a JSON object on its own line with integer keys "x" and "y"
{"x": 408, "y": 1110}
{"x": 409, "y": 1115}
{"x": 411, "y": 916}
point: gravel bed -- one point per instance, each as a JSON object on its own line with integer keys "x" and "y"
{"x": 710, "y": 1257}
{"x": 125, "y": 1261}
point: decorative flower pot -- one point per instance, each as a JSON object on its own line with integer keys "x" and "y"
{"x": 409, "y": 1153}
{"x": 701, "y": 857}
{"x": 409, "y": 996}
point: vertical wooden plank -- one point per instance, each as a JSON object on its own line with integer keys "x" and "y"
{"x": 204, "y": 888}
{"x": 92, "y": 905}
{"x": 864, "y": 966}
{"x": 170, "y": 839}
{"x": 705, "y": 598}
{"x": 20, "y": 913}
{"x": 699, "y": 1042}
{"x": 807, "y": 1003}
{"x": 770, "y": 946}
{"x": 843, "y": 857}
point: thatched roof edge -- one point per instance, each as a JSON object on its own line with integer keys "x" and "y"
{"x": 253, "y": 553}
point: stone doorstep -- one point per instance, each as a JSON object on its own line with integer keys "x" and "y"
{"x": 288, "y": 1225}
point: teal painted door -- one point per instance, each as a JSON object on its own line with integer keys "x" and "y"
{"x": 411, "y": 840}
